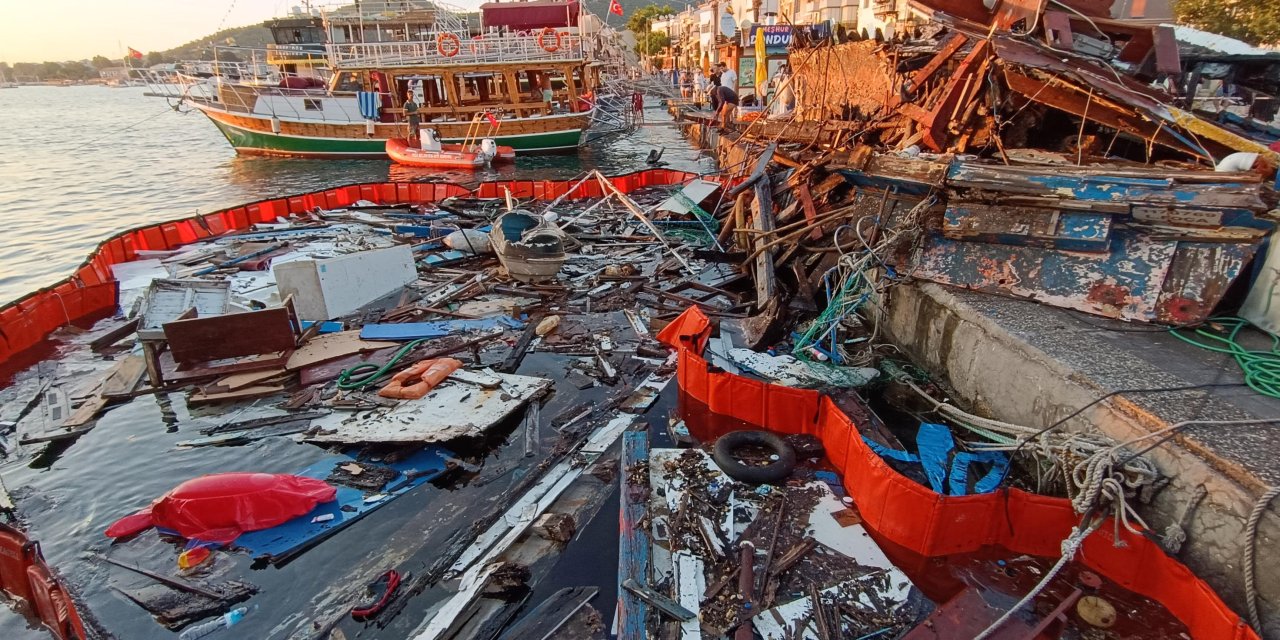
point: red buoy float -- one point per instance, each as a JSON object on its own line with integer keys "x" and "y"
{"x": 546, "y": 34}
{"x": 448, "y": 45}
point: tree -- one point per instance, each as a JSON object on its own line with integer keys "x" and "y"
{"x": 5, "y": 70}
{"x": 155, "y": 58}
{"x": 103, "y": 62}
{"x": 652, "y": 43}
{"x": 1254, "y": 21}
{"x": 643, "y": 18}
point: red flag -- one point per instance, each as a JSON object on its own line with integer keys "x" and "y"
{"x": 615, "y": 7}
{"x": 135, "y": 54}
{"x": 492, "y": 120}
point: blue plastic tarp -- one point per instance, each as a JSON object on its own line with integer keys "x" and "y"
{"x": 279, "y": 543}
{"x": 438, "y": 329}
{"x": 946, "y": 468}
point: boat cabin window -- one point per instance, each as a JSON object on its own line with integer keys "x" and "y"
{"x": 348, "y": 81}
{"x": 480, "y": 88}
{"x": 312, "y": 104}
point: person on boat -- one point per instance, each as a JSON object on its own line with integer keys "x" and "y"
{"x": 411, "y": 115}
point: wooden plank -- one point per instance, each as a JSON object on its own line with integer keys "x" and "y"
{"x": 547, "y": 618}
{"x": 633, "y": 541}
{"x": 115, "y": 335}
{"x": 232, "y": 335}
{"x": 766, "y": 287}
{"x": 248, "y": 393}
{"x": 810, "y": 212}
{"x": 127, "y": 375}
{"x": 333, "y": 346}
{"x": 248, "y": 379}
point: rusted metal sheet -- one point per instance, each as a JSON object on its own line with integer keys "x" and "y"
{"x": 1031, "y": 227}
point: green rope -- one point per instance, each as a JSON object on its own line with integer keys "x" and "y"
{"x": 369, "y": 374}
{"x": 1261, "y": 368}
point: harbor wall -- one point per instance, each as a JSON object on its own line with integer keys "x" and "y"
{"x": 995, "y": 374}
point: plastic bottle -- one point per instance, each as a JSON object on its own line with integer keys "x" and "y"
{"x": 227, "y": 619}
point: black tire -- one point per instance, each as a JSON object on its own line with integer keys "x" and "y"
{"x": 771, "y": 473}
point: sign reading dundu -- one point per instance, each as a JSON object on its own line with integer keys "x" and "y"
{"x": 777, "y": 37}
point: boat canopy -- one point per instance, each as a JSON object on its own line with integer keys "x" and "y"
{"x": 526, "y": 16}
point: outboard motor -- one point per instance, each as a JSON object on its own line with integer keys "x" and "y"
{"x": 430, "y": 139}
{"x": 488, "y": 149}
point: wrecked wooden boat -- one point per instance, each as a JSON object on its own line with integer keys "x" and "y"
{"x": 530, "y": 247}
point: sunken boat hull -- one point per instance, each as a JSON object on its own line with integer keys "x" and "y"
{"x": 529, "y": 249}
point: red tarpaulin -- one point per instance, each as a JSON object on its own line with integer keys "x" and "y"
{"x": 221, "y": 506}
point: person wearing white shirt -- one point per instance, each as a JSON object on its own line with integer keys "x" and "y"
{"x": 728, "y": 77}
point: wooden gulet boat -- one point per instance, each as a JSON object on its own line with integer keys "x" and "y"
{"x": 534, "y": 83}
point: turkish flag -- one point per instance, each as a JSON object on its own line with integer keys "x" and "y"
{"x": 492, "y": 120}
{"x": 615, "y": 7}
{"x": 135, "y": 54}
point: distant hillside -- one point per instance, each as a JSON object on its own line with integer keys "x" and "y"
{"x": 254, "y": 36}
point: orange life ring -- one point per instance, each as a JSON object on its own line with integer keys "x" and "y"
{"x": 448, "y": 37}
{"x": 542, "y": 40}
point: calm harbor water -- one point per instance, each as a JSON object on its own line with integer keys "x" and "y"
{"x": 80, "y": 163}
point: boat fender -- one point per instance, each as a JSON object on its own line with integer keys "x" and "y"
{"x": 767, "y": 474}
{"x": 418, "y": 380}
{"x": 453, "y": 46}
{"x": 275, "y": 124}
{"x": 544, "y": 35}
{"x": 369, "y": 127}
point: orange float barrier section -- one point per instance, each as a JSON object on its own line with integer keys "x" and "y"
{"x": 24, "y": 574}
{"x": 91, "y": 290}
{"x": 931, "y": 524}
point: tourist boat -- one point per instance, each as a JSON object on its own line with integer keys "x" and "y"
{"x": 452, "y": 73}
{"x": 529, "y": 247}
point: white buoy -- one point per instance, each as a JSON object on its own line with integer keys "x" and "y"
{"x": 370, "y": 127}
{"x": 275, "y": 124}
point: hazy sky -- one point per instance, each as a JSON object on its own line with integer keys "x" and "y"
{"x": 39, "y": 30}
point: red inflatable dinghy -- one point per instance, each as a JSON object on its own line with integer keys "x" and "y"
{"x": 219, "y": 507}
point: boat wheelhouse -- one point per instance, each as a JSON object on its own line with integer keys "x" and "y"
{"x": 537, "y": 84}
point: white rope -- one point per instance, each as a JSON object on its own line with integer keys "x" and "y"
{"x": 1069, "y": 548}
{"x": 1251, "y": 556}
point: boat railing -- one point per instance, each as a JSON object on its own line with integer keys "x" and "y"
{"x": 485, "y": 49}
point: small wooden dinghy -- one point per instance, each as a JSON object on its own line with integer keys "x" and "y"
{"x": 530, "y": 248}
